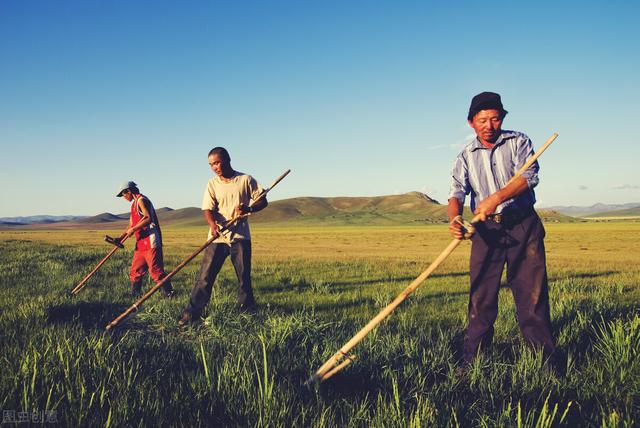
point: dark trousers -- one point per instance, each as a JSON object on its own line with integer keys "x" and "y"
{"x": 520, "y": 245}
{"x": 214, "y": 257}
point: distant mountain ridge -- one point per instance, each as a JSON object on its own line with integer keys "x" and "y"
{"x": 599, "y": 208}
{"x": 628, "y": 212}
{"x": 40, "y": 219}
{"x": 407, "y": 208}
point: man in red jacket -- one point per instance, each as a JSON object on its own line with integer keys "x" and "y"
{"x": 143, "y": 223}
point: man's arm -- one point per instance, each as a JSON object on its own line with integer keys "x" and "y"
{"x": 259, "y": 205}
{"x": 208, "y": 215}
{"x": 454, "y": 211}
{"x": 144, "y": 221}
{"x": 123, "y": 234}
{"x": 513, "y": 189}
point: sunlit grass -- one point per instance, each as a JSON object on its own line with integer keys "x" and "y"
{"x": 316, "y": 287}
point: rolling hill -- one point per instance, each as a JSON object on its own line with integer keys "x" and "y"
{"x": 594, "y": 210}
{"x": 375, "y": 210}
{"x": 628, "y": 212}
{"x": 411, "y": 208}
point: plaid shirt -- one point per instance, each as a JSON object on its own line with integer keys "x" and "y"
{"x": 481, "y": 171}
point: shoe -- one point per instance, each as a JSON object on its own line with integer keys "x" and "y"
{"x": 136, "y": 288}
{"x": 249, "y": 309}
{"x": 184, "y": 319}
{"x": 557, "y": 363}
{"x": 462, "y": 371}
{"x": 168, "y": 294}
{"x": 187, "y": 318}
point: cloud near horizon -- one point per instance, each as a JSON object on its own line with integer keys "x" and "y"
{"x": 625, "y": 187}
{"x": 457, "y": 146}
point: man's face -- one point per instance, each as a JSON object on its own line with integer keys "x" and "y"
{"x": 127, "y": 195}
{"x": 218, "y": 164}
{"x": 487, "y": 125}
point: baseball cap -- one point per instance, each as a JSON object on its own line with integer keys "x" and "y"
{"x": 126, "y": 185}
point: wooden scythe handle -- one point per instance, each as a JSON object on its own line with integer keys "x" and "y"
{"x": 82, "y": 283}
{"x": 134, "y": 308}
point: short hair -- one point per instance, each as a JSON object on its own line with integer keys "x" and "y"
{"x": 222, "y": 152}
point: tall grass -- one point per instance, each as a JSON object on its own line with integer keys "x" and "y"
{"x": 316, "y": 288}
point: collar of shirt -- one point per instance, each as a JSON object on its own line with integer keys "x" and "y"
{"x": 233, "y": 178}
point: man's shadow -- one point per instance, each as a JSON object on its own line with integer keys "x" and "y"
{"x": 89, "y": 315}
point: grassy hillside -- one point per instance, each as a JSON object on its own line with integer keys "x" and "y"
{"x": 629, "y": 212}
{"x": 393, "y": 209}
{"x": 412, "y": 208}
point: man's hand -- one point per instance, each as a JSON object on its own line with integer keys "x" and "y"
{"x": 215, "y": 232}
{"x": 241, "y": 210}
{"x": 488, "y": 206}
{"x": 455, "y": 227}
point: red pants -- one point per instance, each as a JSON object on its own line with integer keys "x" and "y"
{"x": 147, "y": 261}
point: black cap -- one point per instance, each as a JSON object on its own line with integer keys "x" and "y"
{"x": 485, "y": 101}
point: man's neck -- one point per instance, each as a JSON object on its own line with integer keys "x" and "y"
{"x": 487, "y": 144}
{"x": 227, "y": 175}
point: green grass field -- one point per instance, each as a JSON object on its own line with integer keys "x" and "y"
{"x": 316, "y": 287}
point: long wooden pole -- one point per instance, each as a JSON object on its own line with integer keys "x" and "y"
{"x": 333, "y": 365}
{"x": 137, "y": 305}
{"x": 82, "y": 283}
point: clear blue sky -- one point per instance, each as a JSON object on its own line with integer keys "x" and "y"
{"x": 356, "y": 97}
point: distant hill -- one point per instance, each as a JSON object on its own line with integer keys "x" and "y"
{"x": 551, "y": 216}
{"x": 110, "y": 218}
{"x": 33, "y": 219}
{"x": 182, "y": 217}
{"x": 407, "y": 208}
{"x": 629, "y": 212}
{"x": 102, "y": 218}
{"x": 393, "y": 209}
{"x": 599, "y": 209}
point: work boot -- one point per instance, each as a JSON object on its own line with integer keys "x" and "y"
{"x": 248, "y": 308}
{"x": 187, "y": 318}
{"x": 557, "y": 363}
{"x": 136, "y": 288}
{"x": 167, "y": 291}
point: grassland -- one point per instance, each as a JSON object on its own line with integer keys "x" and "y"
{"x": 316, "y": 287}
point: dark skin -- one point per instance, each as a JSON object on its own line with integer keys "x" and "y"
{"x": 222, "y": 168}
{"x": 488, "y": 125}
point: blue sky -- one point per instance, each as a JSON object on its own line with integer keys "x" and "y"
{"x": 357, "y": 98}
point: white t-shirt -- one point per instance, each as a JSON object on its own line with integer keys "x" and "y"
{"x": 223, "y": 197}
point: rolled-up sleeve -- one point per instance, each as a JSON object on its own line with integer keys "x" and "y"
{"x": 524, "y": 152}
{"x": 209, "y": 198}
{"x": 460, "y": 180}
{"x": 255, "y": 190}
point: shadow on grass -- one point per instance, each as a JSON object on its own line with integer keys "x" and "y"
{"x": 348, "y": 385}
{"x": 338, "y": 286}
{"x": 89, "y": 315}
{"x": 583, "y": 275}
{"x": 289, "y": 308}
{"x": 597, "y": 314}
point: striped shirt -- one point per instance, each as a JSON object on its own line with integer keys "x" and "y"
{"x": 480, "y": 171}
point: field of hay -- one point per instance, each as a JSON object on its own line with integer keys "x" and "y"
{"x": 316, "y": 287}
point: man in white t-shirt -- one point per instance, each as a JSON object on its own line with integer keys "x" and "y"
{"x": 227, "y": 195}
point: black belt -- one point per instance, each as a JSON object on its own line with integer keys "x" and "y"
{"x": 511, "y": 217}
